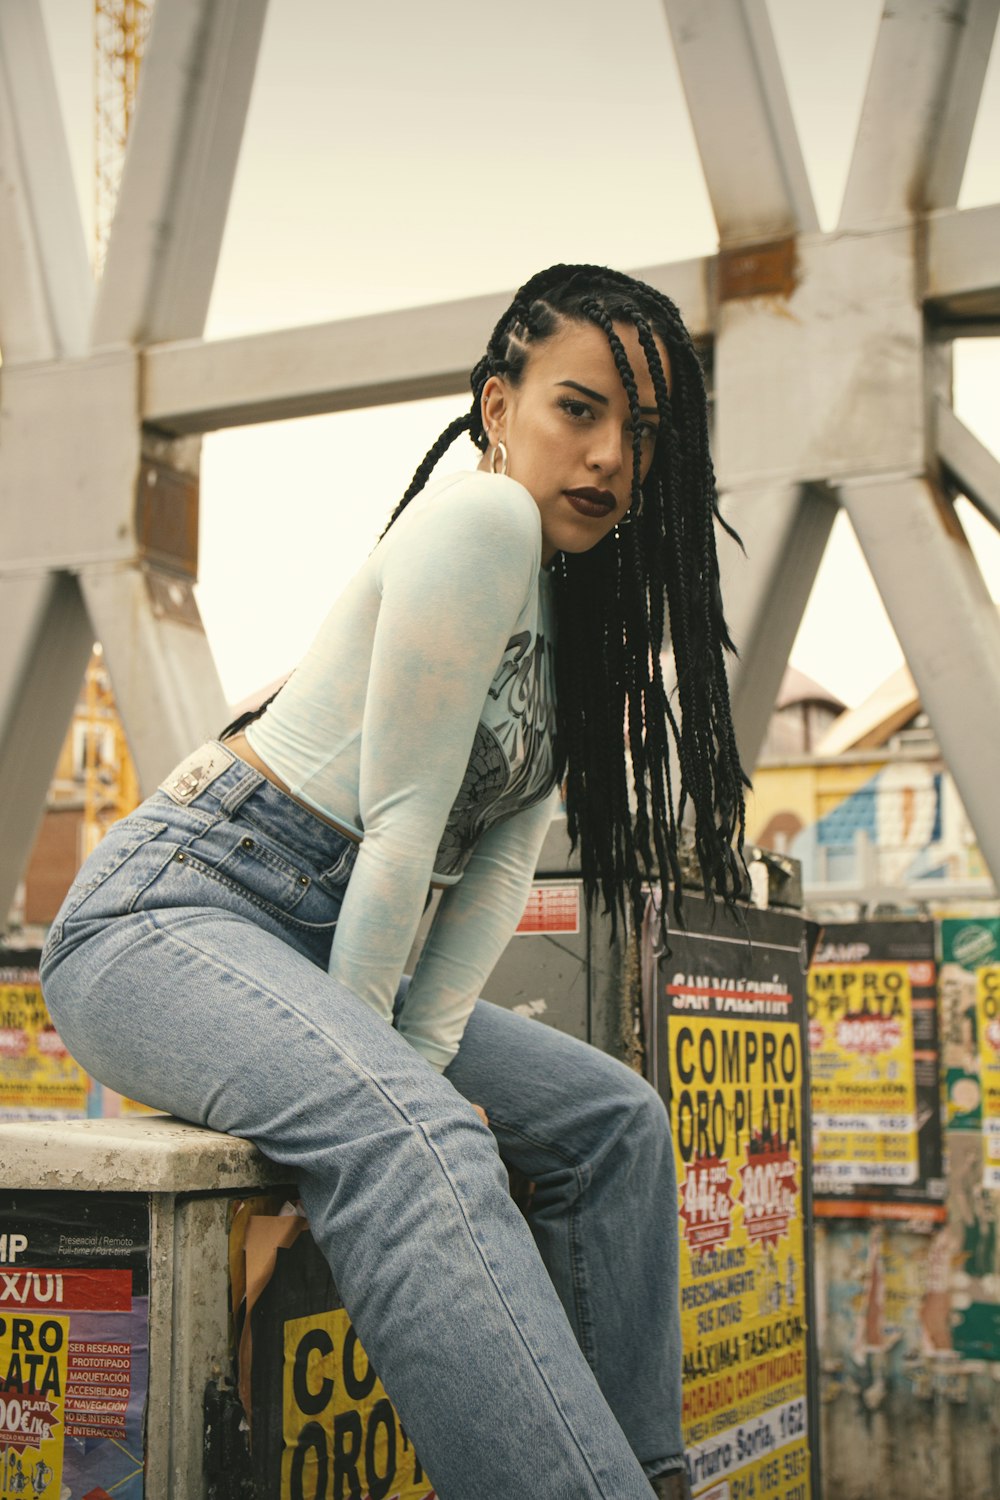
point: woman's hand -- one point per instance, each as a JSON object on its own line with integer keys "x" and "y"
{"x": 522, "y": 1190}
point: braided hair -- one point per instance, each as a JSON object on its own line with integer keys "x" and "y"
{"x": 611, "y": 603}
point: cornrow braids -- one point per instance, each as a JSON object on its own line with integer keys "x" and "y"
{"x": 614, "y": 601}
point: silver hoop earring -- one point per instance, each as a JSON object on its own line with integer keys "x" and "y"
{"x": 501, "y": 449}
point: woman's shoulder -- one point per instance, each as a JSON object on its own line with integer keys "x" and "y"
{"x": 477, "y": 507}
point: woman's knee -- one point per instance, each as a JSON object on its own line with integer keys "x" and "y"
{"x": 650, "y": 1120}
{"x": 637, "y": 1134}
{"x": 628, "y": 1096}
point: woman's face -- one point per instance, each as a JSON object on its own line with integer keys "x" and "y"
{"x": 569, "y": 433}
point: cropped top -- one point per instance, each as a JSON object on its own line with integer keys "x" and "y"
{"x": 422, "y": 718}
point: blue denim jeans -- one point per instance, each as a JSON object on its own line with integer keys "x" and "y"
{"x": 187, "y": 969}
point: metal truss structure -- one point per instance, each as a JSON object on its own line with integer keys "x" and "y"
{"x": 831, "y": 358}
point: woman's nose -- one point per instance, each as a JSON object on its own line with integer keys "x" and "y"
{"x": 607, "y": 451}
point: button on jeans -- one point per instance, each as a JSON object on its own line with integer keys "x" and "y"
{"x": 187, "y": 969}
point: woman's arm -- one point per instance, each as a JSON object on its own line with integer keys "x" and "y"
{"x": 473, "y": 925}
{"x": 454, "y": 578}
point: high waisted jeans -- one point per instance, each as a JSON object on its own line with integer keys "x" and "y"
{"x": 187, "y": 969}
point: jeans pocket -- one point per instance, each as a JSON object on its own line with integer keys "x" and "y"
{"x": 254, "y": 863}
{"x": 242, "y": 872}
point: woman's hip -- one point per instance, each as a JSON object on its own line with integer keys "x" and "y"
{"x": 216, "y": 834}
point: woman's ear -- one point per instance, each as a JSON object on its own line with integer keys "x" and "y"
{"x": 495, "y": 405}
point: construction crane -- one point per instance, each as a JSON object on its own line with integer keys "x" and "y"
{"x": 110, "y": 783}
{"x": 120, "y": 31}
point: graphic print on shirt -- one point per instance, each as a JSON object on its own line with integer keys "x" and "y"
{"x": 512, "y": 762}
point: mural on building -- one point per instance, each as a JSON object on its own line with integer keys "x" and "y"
{"x": 869, "y": 803}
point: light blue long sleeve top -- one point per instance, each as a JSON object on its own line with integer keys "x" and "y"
{"x": 422, "y": 718}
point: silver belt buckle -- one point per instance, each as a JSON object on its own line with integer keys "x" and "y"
{"x": 198, "y": 771}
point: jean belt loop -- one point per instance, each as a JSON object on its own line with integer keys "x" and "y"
{"x": 233, "y": 799}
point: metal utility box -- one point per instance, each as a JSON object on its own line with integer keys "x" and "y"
{"x": 114, "y": 1302}
{"x": 548, "y": 970}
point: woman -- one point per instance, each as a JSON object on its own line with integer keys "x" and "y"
{"x": 233, "y": 952}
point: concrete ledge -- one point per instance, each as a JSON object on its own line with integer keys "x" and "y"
{"x": 147, "y": 1154}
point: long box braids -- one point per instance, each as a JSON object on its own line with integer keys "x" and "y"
{"x": 614, "y": 602}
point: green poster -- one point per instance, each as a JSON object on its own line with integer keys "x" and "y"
{"x": 967, "y": 946}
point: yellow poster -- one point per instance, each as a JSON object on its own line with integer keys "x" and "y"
{"x": 736, "y": 1099}
{"x": 988, "y": 1016}
{"x": 133, "y": 1107}
{"x": 864, "y": 1097}
{"x": 37, "y": 1074}
{"x": 341, "y": 1433}
{"x": 33, "y": 1358}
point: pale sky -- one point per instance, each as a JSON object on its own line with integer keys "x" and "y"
{"x": 398, "y": 154}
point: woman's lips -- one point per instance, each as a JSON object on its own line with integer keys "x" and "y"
{"x": 593, "y": 503}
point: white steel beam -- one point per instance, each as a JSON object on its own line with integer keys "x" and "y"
{"x": 165, "y": 680}
{"x": 824, "y": 381}
{"x": 70, "y": 445}
{"x": 948, "y": 627}
{"x": 962, "y": 276}
{"x": 742, "y": 121}
{"x": 296, "y": 372}
{"x": 785, "y": 531}
{"x": 179, "y": 168}
{"x": 949, "y": 149}
{"x": 973, "y": 467}
{"x": 46, "y": 288}
{"x": 406, "y": 355}
{"x": 47, "y": 643}
{"x": 822, "y": 372}
{"x": 919, "y": 110}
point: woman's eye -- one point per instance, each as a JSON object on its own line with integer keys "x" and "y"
{"x": 578, "y": 410}
{"x": 647, "y": 431}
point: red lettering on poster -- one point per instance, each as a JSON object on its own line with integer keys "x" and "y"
{"x": 770, "y": 1182}
{"x": 65, "y": 1291}
{"x": 869, "y": 1035}
{"x": 25, "y": 1421}
{"x": 707, "y": 1202}
{"x": 551, "y": 908}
